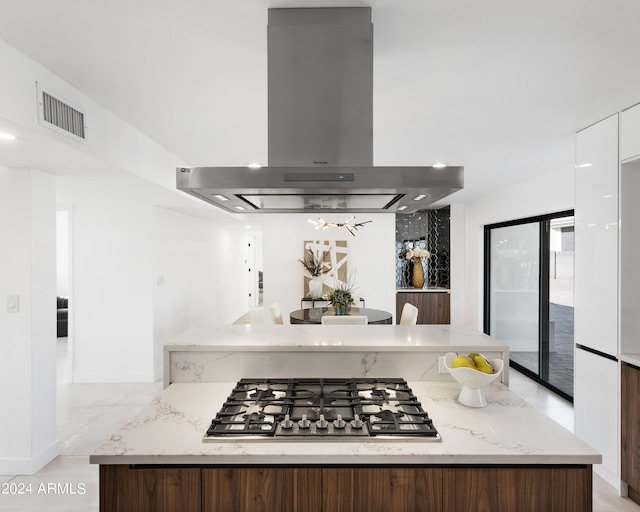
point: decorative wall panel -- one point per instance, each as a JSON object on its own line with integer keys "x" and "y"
{"x": 335, "y": 259}
{"x": 428, "y": 229}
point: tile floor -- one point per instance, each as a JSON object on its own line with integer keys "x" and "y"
{"x": 89, "y": 413}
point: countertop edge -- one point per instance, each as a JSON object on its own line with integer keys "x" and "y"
{"x": 332, "y": 348}
{"x": 291, "y": 459}
{"x": 422, "y": 290}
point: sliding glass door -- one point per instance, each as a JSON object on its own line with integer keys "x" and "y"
{"x": 529, "y": 295}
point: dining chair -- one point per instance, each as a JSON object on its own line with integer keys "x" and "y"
{"x": 344, "y": 320}
{"x": 275, "y": 313}
{"x": 409, "y": 315}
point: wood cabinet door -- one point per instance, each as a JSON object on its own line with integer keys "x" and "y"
{"x": 391, "y": 489}
{"x": 149, "y": 489}
{"x": 552, "y": 489}
{"x": 630, "y": 429}
{"x": 433, "y": 307}
{"x": 261, "y": 489}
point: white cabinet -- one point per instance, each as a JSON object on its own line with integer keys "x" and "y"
{"x": 596, "y": 410}
{"x": 630, "y": 133}
{"x": 629, "y": 257}
{"x": 596, "y": 237}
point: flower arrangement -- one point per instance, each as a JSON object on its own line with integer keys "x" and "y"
{"x": 315, "y": 265}
{"x": 418, "y": 252}
{"x": 340, "y": 297}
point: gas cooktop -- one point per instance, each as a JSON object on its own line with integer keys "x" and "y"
{"x": 336, "y": 408}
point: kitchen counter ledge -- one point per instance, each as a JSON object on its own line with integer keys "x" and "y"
{"x": 227, "y": 353}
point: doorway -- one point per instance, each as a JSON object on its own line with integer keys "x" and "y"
{"x": 63, "y": 287}
{"x": 529, "y": 295}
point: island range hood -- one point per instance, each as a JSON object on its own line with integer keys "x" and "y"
{"x": 320, "y": 129}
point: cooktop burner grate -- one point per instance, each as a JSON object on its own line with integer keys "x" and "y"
{"x": 335, "y": 408}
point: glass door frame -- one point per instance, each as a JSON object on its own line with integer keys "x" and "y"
{"x": 544, "y": 221}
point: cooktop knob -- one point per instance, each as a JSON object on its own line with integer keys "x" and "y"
{"x": 286, "y": 423}
{"x": 356, "y": 422}
{"x": 304, "y": 422}
{"x": 339, "y": 422}
{"x": 322, "y": 423}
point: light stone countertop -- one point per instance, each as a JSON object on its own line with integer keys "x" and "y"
{"x": 310, "y": 337}
{"x": 434, "y": 289}
{"x": 508, "y": 431}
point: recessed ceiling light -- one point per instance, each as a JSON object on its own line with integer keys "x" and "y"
{"x": 248, "y": 227}
{"x": 582, "y": 166}
{"x": 402, "y": 207}
{"x": 220, "y": 197}
{"x": 419, "y": 197}
{"x": 7, "y": 136}
{"x": 240, "y": 208}
{"x": 254, "y": 165}
{"x": 439, "y": 165}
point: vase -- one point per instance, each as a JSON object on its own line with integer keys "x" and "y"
{"x": 315, "y": 287}
{"x": 418, "y": 274}
{"x": 342, "y": 309}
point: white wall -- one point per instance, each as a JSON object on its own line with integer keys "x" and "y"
{"x": 198, "y": 270}
{"x": 111, "y": 302}
{"x": 371, "y": 253}
{"x": 142, "y": 275}
{"x": 548, "y": 193}
{"x": 28, "y": 337}
{"x": 457, "y": 263}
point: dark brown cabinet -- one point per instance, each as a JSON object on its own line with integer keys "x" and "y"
{"x": 433, "y": 307}
{"x": 149, "y": 489}
{"x": 262, "y": 489}
{"x": 391, "y": 489}
{"x": 630, "y": 429}
{"x": 346, "y": 489}
{"x": 525, "y": 489}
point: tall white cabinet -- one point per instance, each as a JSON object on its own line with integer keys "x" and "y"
{"x": 607, "y": 280}
{"x": 596, "y": 386}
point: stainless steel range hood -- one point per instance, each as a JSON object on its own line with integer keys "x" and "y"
{"x": 320, "y": 129}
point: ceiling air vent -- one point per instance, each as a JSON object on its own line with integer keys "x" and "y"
{"x": 60, "y": 116}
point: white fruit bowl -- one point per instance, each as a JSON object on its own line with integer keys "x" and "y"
{"x": 472, "y": 380}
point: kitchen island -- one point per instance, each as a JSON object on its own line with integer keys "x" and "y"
{"x": 226, "y": 353}
{"x": 506, "y": 456}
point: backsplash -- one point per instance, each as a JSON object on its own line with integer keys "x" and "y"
{"x": 429, "y": 229}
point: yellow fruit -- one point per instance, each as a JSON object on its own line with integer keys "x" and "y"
{"x": 473, "y": 355}
{"x": 463, "y": 362}
{"x": 482, "y": 364}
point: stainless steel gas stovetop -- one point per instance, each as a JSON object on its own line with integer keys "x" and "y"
{"x": 349, "y": 408}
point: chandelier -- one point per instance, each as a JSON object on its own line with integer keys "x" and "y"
{"x": 349, "y": 224}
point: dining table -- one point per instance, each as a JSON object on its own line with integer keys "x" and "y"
{"x": 314, "y": 315}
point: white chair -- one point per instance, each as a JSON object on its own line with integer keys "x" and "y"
{"x": 409, "y": 315}
{"x": 275, "y": 314}
{"x": 344, "y": 320}
{"x": 357, "y": 302}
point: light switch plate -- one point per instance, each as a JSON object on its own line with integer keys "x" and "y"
{"x": 441, "y": 366}
{"x": 13, "y": 303}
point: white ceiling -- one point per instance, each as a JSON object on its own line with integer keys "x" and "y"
{"x": 498, "y": 86}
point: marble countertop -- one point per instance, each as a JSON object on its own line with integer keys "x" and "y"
{"x": 508, "y": 431}
{"x": 308, "y": 337}
{"x": 433, "y": 289}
